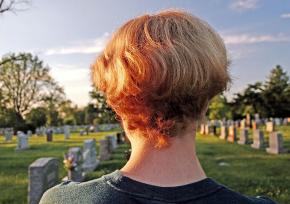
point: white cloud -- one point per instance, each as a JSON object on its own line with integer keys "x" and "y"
{"x": 85, "y": 47}
{"x": 75, "y": 79}
{"x": 285, "y": 15}
{"x": 252, "y": 39}
{"x": 244, "y": 5}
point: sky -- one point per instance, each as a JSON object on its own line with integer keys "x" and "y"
{"x": 68, "y": 35}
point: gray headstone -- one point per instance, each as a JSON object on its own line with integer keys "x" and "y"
{"x": 66, "y": 129}
{"x": 104, "y": 149}
{"x": 112, "y": 142}
{"x": 43, "y": 174}
{"x": 22, "y": 141}
{"x": 258, "y": 139}
{"x": 275, "y": 143}
{"x": 244, "y": 136}
{"x": 77, "y": 174}
{"x": 90, "y": 161}
{"x": 8, "y": 133}
{"x": 29, "y": 133}
{"x": 49, "y": 135}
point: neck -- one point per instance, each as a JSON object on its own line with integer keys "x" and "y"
{"x": 171, "y": 166}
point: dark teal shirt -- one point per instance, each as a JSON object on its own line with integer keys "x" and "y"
{"x": 117, "y": 189}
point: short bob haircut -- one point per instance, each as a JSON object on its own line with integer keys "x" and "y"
{"x": 159, "y": 70}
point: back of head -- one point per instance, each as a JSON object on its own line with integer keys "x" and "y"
{"x": 158, "y": 70}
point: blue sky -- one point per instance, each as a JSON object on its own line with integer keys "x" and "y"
{"x": 68, "y": 34}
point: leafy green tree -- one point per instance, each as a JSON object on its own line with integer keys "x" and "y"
{"x": 25, "y": 82}
{"x": 104, "y": 114}
{"x": 219, "y": 108}
{"x": 269, "y": 99}
{"x": 37, "y": 117}
{"x": 276, "y": 93}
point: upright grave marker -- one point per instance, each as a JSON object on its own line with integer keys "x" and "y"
{"x": 224, "y": 132}
{"x": 77, "y": 173}
{"x": 49, "y": 135}
{"x": 66, "y": 129}
{"x": 270, "y": 126}
{"x": 42, "y": 174}
{"x": 120, "y": 138}
{"x": 202, "y": 129}
{"x": 8, "y": 133}
{"x": 90, "y": 155}
{"x": 244, "y": 136}
{"x": 275, "y": 143}
{"x": 22, "y": 141}
{"x": 258, "y": 139}
{"x": 112, "y": 142}
{"x": 232, "y": 137}
{"x": 104, "y": 149}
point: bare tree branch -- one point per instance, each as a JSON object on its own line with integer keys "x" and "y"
{"x": 14, "y": 5}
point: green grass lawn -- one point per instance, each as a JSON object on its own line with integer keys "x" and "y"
{"x": 249, "y": 171}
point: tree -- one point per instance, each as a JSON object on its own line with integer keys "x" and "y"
{"x": 104, "y": 114}
{"x": 276, "y": 93}
{"x": 269, "y": 99}
{"x": 13, "y": 5}
{"x": 25, "y": 82}
{"x": 219, "y": 108}
{"x": 37, "y": 117}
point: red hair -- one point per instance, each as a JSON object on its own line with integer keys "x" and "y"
{"x": 159, "y": 69}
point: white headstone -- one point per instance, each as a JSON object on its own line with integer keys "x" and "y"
{"x": 22, "y": 141}
{"x": 66, "y": 129}
{"x": 258, "y": 139}
{"x": 275, "y": 143}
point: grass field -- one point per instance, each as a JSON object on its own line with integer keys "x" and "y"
{"x": 249, "y": 171}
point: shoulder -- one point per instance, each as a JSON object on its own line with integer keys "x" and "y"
{"x": 74, "y": 192}
{"x": 225, "y": 195}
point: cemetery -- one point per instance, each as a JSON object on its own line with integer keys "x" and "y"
{"x": 56, "y": 125}
{"x": 29, "y": 172}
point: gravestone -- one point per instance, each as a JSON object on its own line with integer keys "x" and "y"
{"x": 77, "y": 173}
{"x": 202, "y": 129}
{"x": 42, "y": 175}
{"x": 29, "y": 133}
{"x": 232, "y": 137}
{"x": 243, "y": 124}
{"x": 255, "y": 125}
{"x": 244, "y": 136}
{"x": 90, "y": 155}
{"x": 66, "y": 129}
{"x": 285, "y": 121}
{"x": 49, "y": 135}
{"x": 22, "y": 141}
{"x": 278, "y": 121}
{"x": 237, "y": 124}
{"x": 120, "y": 138}
{"x": 275, "y": 143}
{"x": 248, "y": 120}
{"x": 270, "y": 126}
{"x": 258, "y": 139}
{"x": 112, "y": 142}
{"x": 8, "y": 133}
{"x": 224, "y": 132}
{"x": 104, "y": 149}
